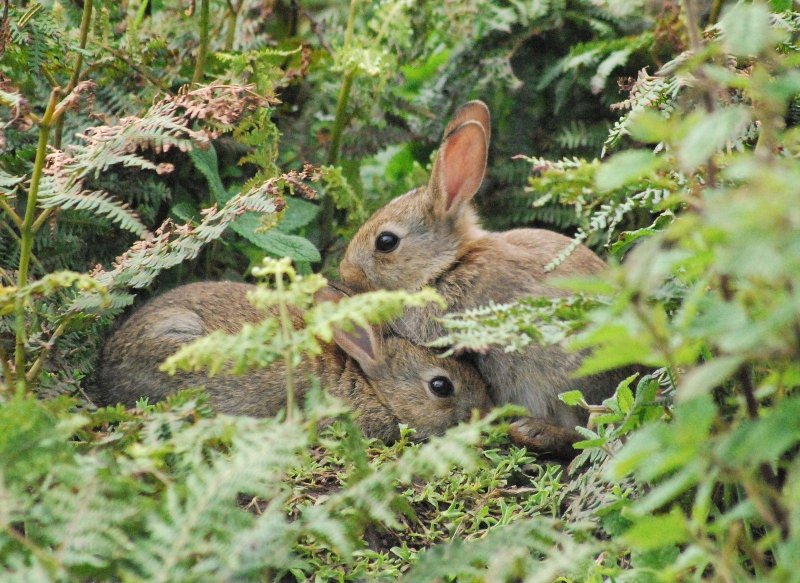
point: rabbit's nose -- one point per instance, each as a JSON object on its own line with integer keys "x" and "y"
{"x": 353, "y": 277}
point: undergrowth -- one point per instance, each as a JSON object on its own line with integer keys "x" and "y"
{"x": 146, "y": 144}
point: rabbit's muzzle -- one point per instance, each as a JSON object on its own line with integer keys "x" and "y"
{"x": 353, "y": 276}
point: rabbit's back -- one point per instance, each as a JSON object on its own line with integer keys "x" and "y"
{"x": 539, "y": 247}
{"x": 502, "y": 268}
{"x": 132, "y": 355}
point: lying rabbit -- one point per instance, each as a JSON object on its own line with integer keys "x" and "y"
{"x": 431, "y": 237}
{"x": 386, "y": 380}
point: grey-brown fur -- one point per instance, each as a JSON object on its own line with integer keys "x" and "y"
{"x": 385, "y": 388}
{"x": 443, "y": 245}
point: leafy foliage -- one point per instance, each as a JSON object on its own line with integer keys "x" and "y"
{"x": 116, "y": 175}
{"x": 276, "y": 337}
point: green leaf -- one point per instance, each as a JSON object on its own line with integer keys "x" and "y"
{"x": 649, "y": 127}
{"x": 746, "y": 29}
{"x": 655, "y": 532}
{"x": 572, "y": 398}
{"x": 625, "y": 398}
{"x": 205, "y": 160}
{"x": 711, "y": 134}
{"x": 626, "y": 167}
{"x": 656, "y": 559}
{"x": 765, "y": 439}
{"x": 711, "y": 374}
{"x": 298, "y": 214}
{"x": 184, "y": 211}
{"x": 628, "y": 239}
{"x": 274, "y": 242}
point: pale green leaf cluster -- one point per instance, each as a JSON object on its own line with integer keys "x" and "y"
{"x": 516, "y": 325}
{"x": 173, "y": 244}
{"x": 171, "y": 494}
{"x": 294, "y": 324}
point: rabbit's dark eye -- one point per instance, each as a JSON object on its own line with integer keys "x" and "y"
{"x": 386, "y": 242}
{"x": 441, "y": 386}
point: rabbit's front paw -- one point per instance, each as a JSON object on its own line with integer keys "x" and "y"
{"x": 544, "y": 437}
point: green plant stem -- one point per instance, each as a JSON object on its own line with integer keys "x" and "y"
{"x": 713, "y": 13}
{"x": 8, "y": 377}
{"x": 132, "y": 65}
{"x": 233, "y": 16}
{"x": 202, "y": 50}
{"x": 48, "y": 561}
{"x": 9, "y": 229}
{"x": 286, "y": 325}
{"x": 704, "y": 83}
{"x": 26, "y": 240}
{"x": 344, "y": 91}
{"x": 37, "y": 224}
{"x": 339, "y": 122}
{"x": 37, "y": 364}
{"x": 12, "y": 214}
{"x": 140, "y": 13}
{"x": 86, "y": 20}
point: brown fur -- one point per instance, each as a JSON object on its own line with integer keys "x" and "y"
{"x": 385, "y": 383}
{"x": 443, "y": 245}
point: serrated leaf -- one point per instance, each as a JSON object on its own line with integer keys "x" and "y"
{"x": 572, "y": 398}
{"x": 625, "y": 398}
{"x": 704, "y": 378}
{"x": 649, "y": 127}
{"x": 205, "y": 160}
{"x": 274, "y": 242}
{"x": 298, "y": 214}
{"x": 746, "y": 29}
{"x": 764, "y": 439}
{"x": 628, "y": 239}
{"x": 711, "y": 134}
{"x": 626, "y": 167}
{"x": 654, "y": 532}
{"x": 185, "y": 211}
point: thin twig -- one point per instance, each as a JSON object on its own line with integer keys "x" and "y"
{"x": 37, "y": 224}
{"x": 37, "y": 364}
{"x": 8, "y": 375}
{"x": 12, "y": 214}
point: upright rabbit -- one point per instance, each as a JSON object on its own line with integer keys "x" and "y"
{"x": 386, "y": 380}
{"x": 431, "y": 236}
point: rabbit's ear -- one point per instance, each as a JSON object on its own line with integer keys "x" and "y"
{"x": 459, "y": 167}
{"x": 363, "y": 345}
{"x": 471, "y": 111}
{"x": 333, "y": 292}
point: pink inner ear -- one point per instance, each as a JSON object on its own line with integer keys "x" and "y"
{"x": 359, "y": 343}
{"x": 464, "y": 162}
{"x": 363, "y": 341}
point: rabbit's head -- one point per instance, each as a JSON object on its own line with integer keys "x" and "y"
{"x": 420, "y": 235}
{"x": 412, "y": 384}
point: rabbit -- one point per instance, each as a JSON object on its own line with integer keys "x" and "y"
{"x": 386, "y": 380}
{"x": 431, "y": 236}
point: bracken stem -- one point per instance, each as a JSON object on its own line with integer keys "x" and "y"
{"x": 339, "y": 122}
{"x": 286, "y": 325}
{"x": 26, "y": 240}
{"x": 202, "y": 50}
{"x": 86, "y": 20}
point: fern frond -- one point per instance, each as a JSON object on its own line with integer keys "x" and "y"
{"x": 55, "y": 195}
{"x": 172, "y": 244}
{"x": 516, "y": 325}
